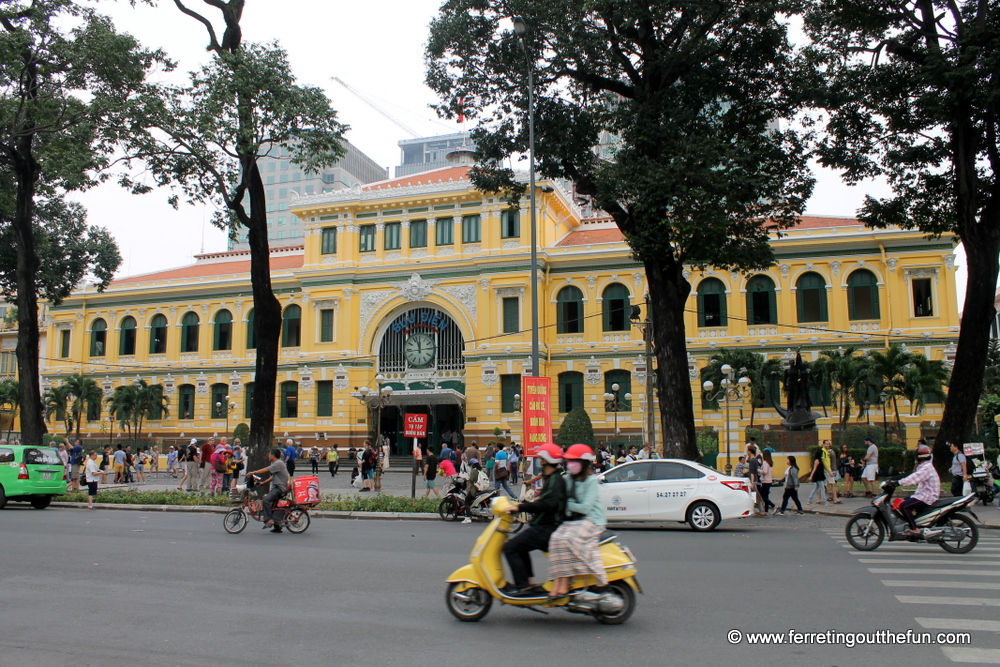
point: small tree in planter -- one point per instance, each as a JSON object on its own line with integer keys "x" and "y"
{"x": 576, "y": 428}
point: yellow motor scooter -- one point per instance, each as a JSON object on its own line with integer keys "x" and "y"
{"x": 472, "y": 588}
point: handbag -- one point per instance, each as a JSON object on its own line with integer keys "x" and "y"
{"x": 501, "y": 473}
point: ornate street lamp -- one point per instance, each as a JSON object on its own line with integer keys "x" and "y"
{"x": 374, "y": 401}
{"x": 616, "y": 403}
{"x": 226, "y": 408}
{"x": 728, "y": 391}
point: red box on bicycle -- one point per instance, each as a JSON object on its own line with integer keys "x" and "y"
{"x": 306, "y": 490}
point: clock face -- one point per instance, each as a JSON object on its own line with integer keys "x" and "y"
{"x": 419, "y": 350}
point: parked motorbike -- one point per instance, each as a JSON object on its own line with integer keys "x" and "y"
{"x": 473, "y": 587}
{"x": 941, "y": 523}
{"x": 452, "y": 506}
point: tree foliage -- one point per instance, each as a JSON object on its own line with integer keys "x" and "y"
{"x": 576, "y": 429}
{"x": 207, "y": 137}
{"x": 663, "y": 113}
{"x": 10, "y": 399}
{"x": 70, "y": 87}
{"x": 85, "y": 397}
{"x": 911, "y": 94}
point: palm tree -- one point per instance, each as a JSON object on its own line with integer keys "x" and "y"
{"x": 150, "y": 398}
{"x": 9, "y": 396}
{"x": 748, "y": 364}
{"x": 923, "y": 379}
{"x": 845, "y": 371}
{"x": 87, "y": 395}
{"x": 888, "y": 370}
{"x": 991, "y": 377}
{"x": 56, "y": 401}
{"x": 123, "y": 406}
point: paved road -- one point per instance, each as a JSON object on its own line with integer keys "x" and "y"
{"x": 137, "y": 588}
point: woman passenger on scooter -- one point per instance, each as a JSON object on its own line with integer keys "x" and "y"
{"x": 928, "y": 489}
{"x": 574, "y": 548}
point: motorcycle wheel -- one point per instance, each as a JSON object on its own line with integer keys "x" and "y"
{"x": 448, "y": 510}
{"x": 516, "y": 525}
{"x": 297, "y": 522}
{"x": 961, "y": 545}
{"x": 474, "y": 604}
{"x": 625, "y": 592}
{"x": 856, "y": 530}
{"x": 235, "y": 521}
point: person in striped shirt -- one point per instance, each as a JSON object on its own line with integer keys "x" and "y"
{"x": 928, "y": 489}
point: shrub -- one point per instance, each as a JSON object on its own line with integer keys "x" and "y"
{"x": 242, "y": 433}
{"x": 576, "y": 428}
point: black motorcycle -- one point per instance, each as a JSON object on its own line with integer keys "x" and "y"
{"x": 940, "y": 523}
{"x": 452, "y": 506}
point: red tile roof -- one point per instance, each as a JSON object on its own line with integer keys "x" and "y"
{"x": 443, "y": 175}
{"x": 614, "y": 235}
{"x": 210, "y": 269}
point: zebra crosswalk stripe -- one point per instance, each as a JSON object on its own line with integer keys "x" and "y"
{"x": 957, "y": 601}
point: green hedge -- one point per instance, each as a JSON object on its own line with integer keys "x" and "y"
{"x": 375, "y": 503}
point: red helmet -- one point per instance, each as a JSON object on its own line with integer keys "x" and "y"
{"x": 923, "y": 453}
{"x": 580, "y": 453}
{"x": 550, "y": 453}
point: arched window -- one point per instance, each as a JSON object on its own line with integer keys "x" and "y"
{"x": 251, "y": 336}
{"x": 126, "y": 337}
{"x": 158, "y": 335}
{"x": 569, "y": 310}
{"x": 712, "y": 311}
{"x": 185, "y": 406}
{"x": 761, "y": 304}
{"x": 862, "y": 295}
{"x": 570, "y": 391}
{"x": 220, "y": 392}
{"x": 289, "y": 400}
{"x": 98, "y": 338}
{"x": 189, "y": 332}
{"x": 615, "y": 307}
{"x": 223, "y": 338}
{"x": 810, "y": 294}
{"x": 291, "y": 327}
{"x": 248, "y": 400}
{"x": 624, "y": 381}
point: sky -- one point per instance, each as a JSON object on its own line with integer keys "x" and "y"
{"x": 376, "y": 47}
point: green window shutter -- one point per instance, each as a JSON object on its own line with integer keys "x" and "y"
{"x": 823, "y": 312}
{"x": 251, "y": 336}
{"x": 470, "y": 229}
{"x": 366, "y": 238}
{"x": 326, "y": 325}
{"x": 324, "y": 402}
{"x": 772, "y": 305}
{"x": 510, "y": 224}
{"x": 329, "y": 241}
{"x": 510, "y": 385}
{"x": 723, "y": 309}
{"x": 875, "y": 308}
{"x": 445, "y": 231}
{"x": 511, "y": 321}
{"x": 418, "y": 234}
{"x": 390, "y": 236}
{"x": 248, "y": 406}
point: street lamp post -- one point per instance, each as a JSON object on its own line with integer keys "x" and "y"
{"x": 375, "y": 400}
{"x": 522, "y": 30}
{"x": 646, "y": 327}
{"x": 885, "y": 426}
{"x": 229, "y": 406}
{"x": 616, "y": 403}
{"x": 728, "y": 391}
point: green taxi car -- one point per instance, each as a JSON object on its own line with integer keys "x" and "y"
{"x": 30, "y": 474}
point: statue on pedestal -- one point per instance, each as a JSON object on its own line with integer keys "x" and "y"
{"x": 798, "y": 415}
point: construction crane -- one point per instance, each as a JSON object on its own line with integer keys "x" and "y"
{"x": 364, "y": 98}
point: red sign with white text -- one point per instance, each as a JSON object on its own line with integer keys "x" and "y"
{"x": 536, "y": 410}
{"x": 415, "y": 426}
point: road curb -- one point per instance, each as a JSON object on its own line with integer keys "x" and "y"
{"x": 216, "y": 509}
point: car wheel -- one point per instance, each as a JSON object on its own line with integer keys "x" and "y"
{"x": 3, "y": 497}
{"x": 41, "y": 502}
{"x": 703, "y": 516}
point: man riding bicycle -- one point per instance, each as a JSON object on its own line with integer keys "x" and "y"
{"x": 279, "y": 477}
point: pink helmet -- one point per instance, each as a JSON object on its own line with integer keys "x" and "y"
{"x": 550, "y": 453}
{"x": 580, "y": 453}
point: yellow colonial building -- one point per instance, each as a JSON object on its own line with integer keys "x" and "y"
{"x": 422, "y": 284}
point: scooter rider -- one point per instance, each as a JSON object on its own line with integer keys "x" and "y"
{"x": 928, "y": 489}
{"x": 279, "y": 475}
{"x": 548, "y": 509}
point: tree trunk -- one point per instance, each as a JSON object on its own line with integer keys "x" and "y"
{"x": 266, "y": 325}
{"x": 668, "y": 293}
{"x": 29, "y": 391}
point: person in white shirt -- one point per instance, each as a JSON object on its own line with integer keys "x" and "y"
{"x": 91, "y": 474}
{"x": 643, "y": 453}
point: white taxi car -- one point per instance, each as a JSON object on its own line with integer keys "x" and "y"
{"x": 674, "y": 490}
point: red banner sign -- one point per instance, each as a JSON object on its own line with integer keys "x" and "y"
{"x": 415, "y": 426}
{"x": 536, "y": 409}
